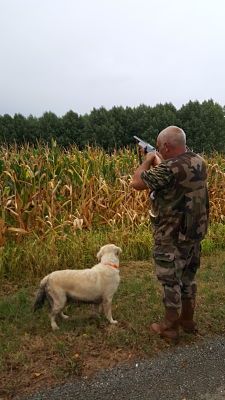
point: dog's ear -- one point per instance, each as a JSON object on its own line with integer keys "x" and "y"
{"x": 118, "y": 251}
{"x": 99, "y": 254}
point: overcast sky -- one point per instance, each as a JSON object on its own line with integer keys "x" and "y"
{"x": 58, "y": 55}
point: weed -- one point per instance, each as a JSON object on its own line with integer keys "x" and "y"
{"x": 31, "y": 353}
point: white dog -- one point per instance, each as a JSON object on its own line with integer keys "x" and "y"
{"x": 94, "y": 285}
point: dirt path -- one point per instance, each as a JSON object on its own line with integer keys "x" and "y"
{"x": 195, "y": 372}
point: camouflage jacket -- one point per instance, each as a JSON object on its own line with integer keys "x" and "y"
{"x": 179, "y": 204}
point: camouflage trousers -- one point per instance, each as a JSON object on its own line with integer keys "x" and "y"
{"x": 176, "y": 266}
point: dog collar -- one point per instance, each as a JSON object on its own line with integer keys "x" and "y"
{"x": 112, "y": 265}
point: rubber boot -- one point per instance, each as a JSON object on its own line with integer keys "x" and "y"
{"x": 169, "y": 327}
{"x": 186, "y": 318}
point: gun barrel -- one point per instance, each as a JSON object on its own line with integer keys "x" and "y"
{"x": 137, "y": 138}
{"x": 146, "y": 146}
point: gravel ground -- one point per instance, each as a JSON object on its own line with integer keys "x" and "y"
{"x": 195, "y": 372}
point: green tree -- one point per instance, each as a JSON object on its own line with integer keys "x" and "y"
{"x": 50, "y": 126}
{"x": 100, "y": 129}
{"x": 72, "y": 128}
{"x": 204, "y": 125}
{"x": 7, "y": 129}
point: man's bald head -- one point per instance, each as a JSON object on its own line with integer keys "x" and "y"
{"x": 173, "y": 135}
{"x": 171, "y": 141}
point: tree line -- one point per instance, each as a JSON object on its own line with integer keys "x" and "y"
{"x": 204, "y": 124}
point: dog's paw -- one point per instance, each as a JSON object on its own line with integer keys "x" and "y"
{"x": 64, "y": 316}
{"x": 114, "y": 322}
{"x": 55, "y": 328}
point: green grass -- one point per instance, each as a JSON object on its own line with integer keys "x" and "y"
{"x": 32, "y": 258}
{"x": 215, "y": 239}
{"x": 31, "y": 354}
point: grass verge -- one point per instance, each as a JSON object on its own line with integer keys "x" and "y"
{"x": 32, "y": 356}
{"x": 32, "y": 258}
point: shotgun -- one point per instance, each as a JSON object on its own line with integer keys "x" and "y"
{"x": 148, "y": 148}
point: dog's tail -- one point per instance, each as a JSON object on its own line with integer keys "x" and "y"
{"x": 41, "y": 294}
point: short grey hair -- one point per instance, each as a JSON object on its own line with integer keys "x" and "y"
{"x": 173, "y": 135}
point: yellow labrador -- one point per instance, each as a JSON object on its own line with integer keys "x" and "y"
{"x": 93, "y": 285}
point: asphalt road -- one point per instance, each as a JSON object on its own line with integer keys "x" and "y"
{"x": 195, "y": 372}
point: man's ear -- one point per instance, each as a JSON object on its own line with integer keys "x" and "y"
{"x": 166, "y": 147}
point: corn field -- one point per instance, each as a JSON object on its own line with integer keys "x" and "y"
{"x": 45, "y": 189}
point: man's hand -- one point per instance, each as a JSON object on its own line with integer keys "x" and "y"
{"x": 152, "y": 159}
